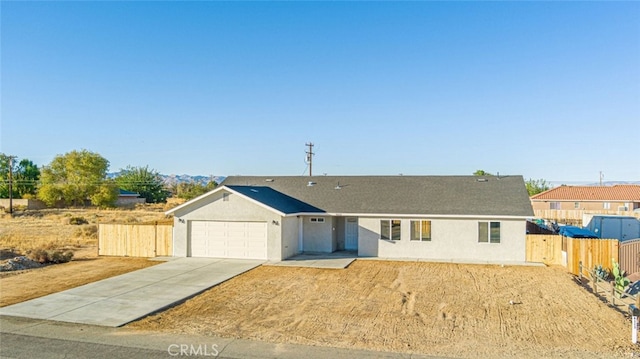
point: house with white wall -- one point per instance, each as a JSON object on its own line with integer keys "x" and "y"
{"x": 440, "y": 218}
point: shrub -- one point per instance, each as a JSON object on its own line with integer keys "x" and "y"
{"x": 87, "y": 231}
{"x": 39, "y": 255}
{"x": 60, "y": 257}
{"x": 44, "y": 256}
{"x": 78, "y": 221}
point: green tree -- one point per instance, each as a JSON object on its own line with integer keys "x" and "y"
{"x": 25, "y": 177}
{"x": 76, "y": 177}
{"x": 189, "y": 190}
{"x": 106, "y": 194}
{"x": 481, "y": 173}
{"x": 536, "y": 186}
{"x": 144, "y": 181}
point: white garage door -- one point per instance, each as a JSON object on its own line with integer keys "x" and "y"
{"x": 246, "y": 240}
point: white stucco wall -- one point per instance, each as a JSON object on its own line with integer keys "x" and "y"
{"x": 451, "y": 240}
{"x": 318, "y": 236}
{"x": 290, "y": 234}
{"x": 237, "y": 208}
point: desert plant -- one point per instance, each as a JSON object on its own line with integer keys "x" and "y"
{"x": 601, "y": 272}
{"x": 620, "y": 281}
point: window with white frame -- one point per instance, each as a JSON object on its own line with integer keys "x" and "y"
{"x": 576, "y": 205}
{"x": 316, "y": 219}
{"x": 606, "y": 205}
{"x": 489, "y": 232}
{"x": 390, "y": 229}
{"x": 421, "y": 230}
{"x": 554, "y": 205}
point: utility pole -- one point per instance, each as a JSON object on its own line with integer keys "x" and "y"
{"x": 310, "y": 157}
{"x": 11, "y": 185}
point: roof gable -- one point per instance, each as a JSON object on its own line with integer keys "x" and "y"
{"x": 591, "y": 193}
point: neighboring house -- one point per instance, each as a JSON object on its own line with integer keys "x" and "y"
{"x": 442, "y": 218}
{"x": 589, "y": 198}
{"x": 128, "y": 198}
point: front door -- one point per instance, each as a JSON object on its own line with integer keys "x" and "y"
{"x": 351, "y": 234}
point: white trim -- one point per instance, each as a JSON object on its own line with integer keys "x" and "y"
{"x": 400, "y": 216}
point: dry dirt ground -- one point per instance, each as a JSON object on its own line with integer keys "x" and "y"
{"x": 16, "y": 287}
{"x": 429, "y": 308}
{"x": 53, "y": 229}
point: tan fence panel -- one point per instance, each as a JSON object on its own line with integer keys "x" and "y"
{"x": 164, "y": 240}
{"x": 135, "y": 240}
{"x": 590, "y": 252}
{"x": 544, "y": 248}
{"x": 630, "y": 256}
{"x": 575, "y": 215}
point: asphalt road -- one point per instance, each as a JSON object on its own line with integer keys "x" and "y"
{"x": 36, "y": 338}
{"x": 26, "y": 346}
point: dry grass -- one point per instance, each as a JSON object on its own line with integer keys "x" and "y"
{"x": 54, "y": 228}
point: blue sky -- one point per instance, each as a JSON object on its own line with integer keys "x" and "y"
{"x": 544, "y": 89}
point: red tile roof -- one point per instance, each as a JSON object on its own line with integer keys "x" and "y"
{"x": 592, "y": 193}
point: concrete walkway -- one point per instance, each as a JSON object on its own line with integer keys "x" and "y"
{"x": 335, "y": 260}
{"x": 119, "y": 300}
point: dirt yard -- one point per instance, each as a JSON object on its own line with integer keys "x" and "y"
{"x": 16, "y": 287}
{"x": 467, "y": 311}
{"x": 68, "y": 229}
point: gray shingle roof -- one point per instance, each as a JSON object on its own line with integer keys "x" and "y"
{"x": 274, "y": 199}
{"x": 421, "y": 195}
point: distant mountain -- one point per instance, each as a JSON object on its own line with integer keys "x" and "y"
{"x": 189, "y": 178}
{"x": 184, "y": 178}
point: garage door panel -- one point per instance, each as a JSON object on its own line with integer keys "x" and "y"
{"x": 229, "y": 239}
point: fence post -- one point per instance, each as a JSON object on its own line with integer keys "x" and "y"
{"x": 613, "y": 294}
{"x": 580, "y": 271}
{"x": 595, "y": 284}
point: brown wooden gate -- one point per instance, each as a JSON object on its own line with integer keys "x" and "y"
{"x": 630, "y": 256}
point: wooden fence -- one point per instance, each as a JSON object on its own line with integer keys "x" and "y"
{"x": 135, "y": 240}
{"x": 544, "y": 248}
{"x": 630, "y": 256}
{"x": 590, "y": 252}
{"x": 548, "y": 249}
{"x": 575, "y": 216}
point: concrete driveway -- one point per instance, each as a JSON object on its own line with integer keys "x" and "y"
{"x": 119, "y": 300}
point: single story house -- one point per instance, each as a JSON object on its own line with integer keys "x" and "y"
{"x": 128, "y": 198}
{"x": 591, "y": 198}
{"x": 442, "y": 218}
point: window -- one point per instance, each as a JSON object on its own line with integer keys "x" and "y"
{"x": 390, "y": 229}
{"x": 606, "y": 205}
{"x": 420, "y": 230}
{"x": 576, "y": 205}
{"x": 316, "y": 219}
{"x": 554, "y": 205}
{"x": 225, "y": 197}
{"x": 489, "y": 232}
